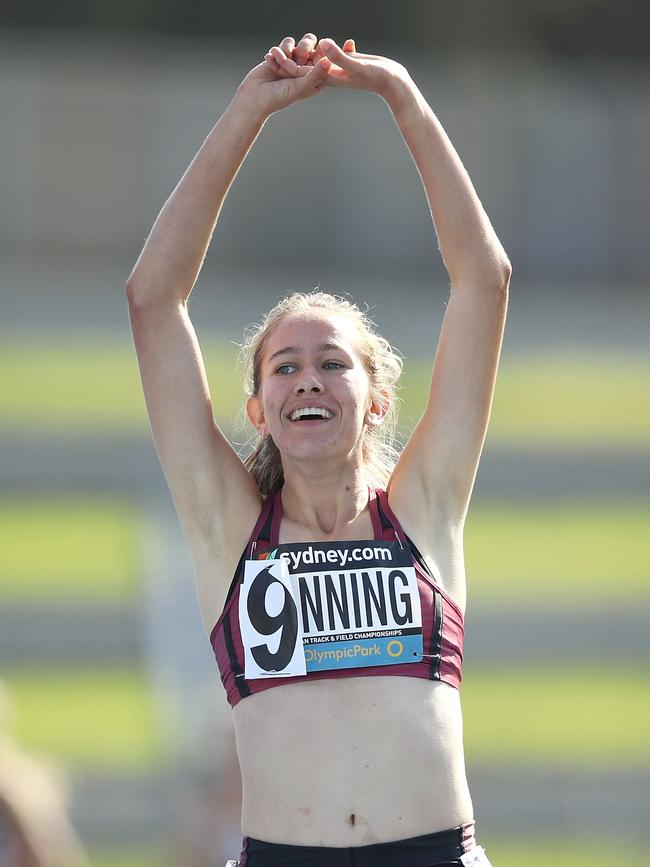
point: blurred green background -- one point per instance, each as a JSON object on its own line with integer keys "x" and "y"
{"x": 101, "y": 648}
{"x": 586, "y": 554}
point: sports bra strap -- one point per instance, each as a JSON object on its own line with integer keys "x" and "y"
{"x": 373, "y": 504}
{"x": 388, "y": 518}
{"x": 262, "y": 529}
{"x": 275, "y": 519}
{"x": 385, "y": 523}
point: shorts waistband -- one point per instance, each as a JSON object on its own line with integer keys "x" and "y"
{"x": 422, "y": 851}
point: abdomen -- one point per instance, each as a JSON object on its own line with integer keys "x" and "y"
{"x": 352, "y": 761}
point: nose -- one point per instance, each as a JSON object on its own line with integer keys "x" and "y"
{"x": 308, "y": 382}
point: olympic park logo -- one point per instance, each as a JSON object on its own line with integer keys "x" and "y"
{"x": 395, "y": 648}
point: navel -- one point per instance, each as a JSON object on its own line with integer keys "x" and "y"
{"x": 353, "y": 818}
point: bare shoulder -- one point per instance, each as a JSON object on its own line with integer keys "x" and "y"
{"x": 436, "y": 533}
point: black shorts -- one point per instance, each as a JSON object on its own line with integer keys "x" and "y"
{"x": 442, "y": 849}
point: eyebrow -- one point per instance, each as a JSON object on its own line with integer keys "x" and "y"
{"x": 296, "y": 350}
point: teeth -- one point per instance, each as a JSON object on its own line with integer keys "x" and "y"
{"x": 310, "y": 410}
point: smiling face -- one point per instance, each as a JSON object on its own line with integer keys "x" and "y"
{"x": 311, "y": 362}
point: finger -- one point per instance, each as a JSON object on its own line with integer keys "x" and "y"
{"x": 338, "y": 56}
{"x": 314, "y": 57}
{"x": 314, "y": 79}
{"x": 304, "y": 48}
{"x": 275, "y": 67}
{"x": 288, "y": 45}
{"x": 284, "y": 62}
{"x": 317, "y": 53}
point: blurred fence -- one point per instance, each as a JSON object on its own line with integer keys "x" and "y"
{"x": 95, "y": 134}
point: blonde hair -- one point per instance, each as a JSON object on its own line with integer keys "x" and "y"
{"x": 383, "y": 366}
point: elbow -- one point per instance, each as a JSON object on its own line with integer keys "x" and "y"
{"x": 130, "y": 291}
{"x": 495, "y": 278}
{"x": 134, "y": 293}
{"x": 506, "y": 274}
{"x": 501, "y": 274}
{"x": 501, "y": 270}
{"x": 142, "y": 292}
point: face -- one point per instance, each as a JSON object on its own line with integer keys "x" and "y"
{"x": 310, "y": 362}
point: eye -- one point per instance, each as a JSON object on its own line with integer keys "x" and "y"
{"x": 285, "y": 369}
{"x": 333, "y": 365}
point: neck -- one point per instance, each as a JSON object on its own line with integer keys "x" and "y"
{"x": 326, "y": 503}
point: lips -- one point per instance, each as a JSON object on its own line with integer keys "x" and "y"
{"x": 310, "y": 414}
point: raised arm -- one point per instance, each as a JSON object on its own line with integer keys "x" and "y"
{"x": 435, "y": 475}
{"x": 442, "y": 456}
{"x": 216, "y": 499}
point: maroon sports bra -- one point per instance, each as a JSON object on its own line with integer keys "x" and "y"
{"x": 311, "y": 611}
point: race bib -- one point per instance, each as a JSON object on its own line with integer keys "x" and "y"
{"x": 319, "y": 606}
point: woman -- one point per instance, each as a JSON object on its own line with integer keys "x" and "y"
{"x": 340, "y": 640}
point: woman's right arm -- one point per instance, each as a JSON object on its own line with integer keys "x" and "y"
{"x": 216, "y": 499}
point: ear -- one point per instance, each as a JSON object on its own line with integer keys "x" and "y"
{"x": 377, "y": 410}
{"x": 255, "y": 413}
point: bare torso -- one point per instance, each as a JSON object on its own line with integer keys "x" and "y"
{"x": 355, "y": 761}
{"x": 351, "y": 761}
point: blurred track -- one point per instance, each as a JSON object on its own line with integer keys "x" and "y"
{"x": 127, "y": 464}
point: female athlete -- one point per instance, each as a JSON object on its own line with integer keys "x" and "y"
{"x": 338, "y": 630}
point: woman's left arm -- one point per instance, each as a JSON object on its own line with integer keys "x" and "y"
{"x": 433, "y": 480}
{"x": 441, "y": 459}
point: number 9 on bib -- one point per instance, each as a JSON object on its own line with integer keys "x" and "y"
{"x": 269, "y": 621}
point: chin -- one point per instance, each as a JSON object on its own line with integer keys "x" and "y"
{"x": 313, "y": 451}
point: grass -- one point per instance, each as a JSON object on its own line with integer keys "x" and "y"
{"x": 587, "y": 717}
{"x": 68, "y": 547}
{"x": 572, "y": 852}
{"x": 101, "y": 718}
{"x": 583, "y": 553}
{"x": 127, "y": 858}
{"x": 559, "y": 400}
{"x": 556, "y": 400}
{"x": 578, "y": 718}
{"x": 80, "y": 548}
{"x": 91, "y": 386}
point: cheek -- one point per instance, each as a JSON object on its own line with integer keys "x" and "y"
{"x": 273, "y": 401}
{"x": 270, "y": 410}
{"x": 359, "y": 393}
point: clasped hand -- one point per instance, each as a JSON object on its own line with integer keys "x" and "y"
{"x": 292, "y": 72}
